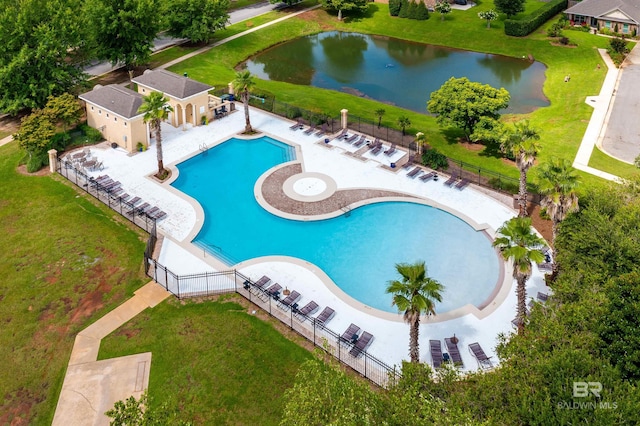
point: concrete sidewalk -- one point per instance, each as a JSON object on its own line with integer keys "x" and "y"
{"x": 92, "y": 387}
{"x": 597, "y": 123}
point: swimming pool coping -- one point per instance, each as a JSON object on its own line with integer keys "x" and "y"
{"x": 491, "y": 303}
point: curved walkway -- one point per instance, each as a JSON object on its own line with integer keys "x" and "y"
{"x": 92, "y": 387}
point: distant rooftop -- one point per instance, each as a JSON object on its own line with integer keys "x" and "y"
{"x": 171, "y": 84}
{"x": 114, "y": 98}
{"x": 600, "y": 8}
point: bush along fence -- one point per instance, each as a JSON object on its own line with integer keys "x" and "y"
{"x": 109, "y": 194}
{"x": 531, "y": 22}
{"x": 213, "y": 283}
{"x": 475, "y": 174}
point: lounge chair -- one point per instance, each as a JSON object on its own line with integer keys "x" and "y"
{"x": 307, "y": 310}
{"x": 295, "y": 127}
{"x": 142, "y": 208}
{"x": 360, "y": 141}
{"x": 391, "y": 150}
{"x": 292, "y": 298}
{"x": 377, "y": 149}
{"x": 153, "y": 210}
{"x": 436, "y": 353}
{"x": 413, "y": 173}
{"x": 542, "y": 297}
{"x": 545, "y": 267}
{"x": 325, "y": 316}
{"x": 462, "y": 184}
{"x": 262, "y": 282}
{"x": 351, "y": 138}
{"x": 427, "y": 177}
{"x": 454, "y": 353}
{"x": 159, "y": 215}
{"x": 361, "y": 344}
{"x": 484, "y": 361}
{"x": 273, "y": 291}
{"x": 322, "y": 131}
{"x": 133, "y": 202}
{"x": 342, "y": 134}
{"x": 452, "y": 179}
{"x": 310, "y": 130}
{"x": 350, "y": 335}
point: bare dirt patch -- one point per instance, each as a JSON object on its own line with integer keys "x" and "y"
{"x": 474, "y": 147}
{"x": 544, "y": 226}
{"x": 17, "y": 408}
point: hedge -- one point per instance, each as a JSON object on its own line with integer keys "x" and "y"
{"x": 534, "y": 20}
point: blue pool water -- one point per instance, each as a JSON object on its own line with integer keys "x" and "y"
{"x": 358, "y": 252}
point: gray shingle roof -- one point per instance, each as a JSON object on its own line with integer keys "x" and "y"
{"x": 116, "y": 99}
{"x": 598, "y": 8}
{"x": 171, "y": 84}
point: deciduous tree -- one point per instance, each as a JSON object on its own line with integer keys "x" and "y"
{"x": 509, "y": 7}
{"x": 462, "y": 103}
{"x": 488, "y": 15}
{"x": 65, "y": 109}
{"x": 346, "y": 5}
{"x": 443, "y": 8}
{"x": 197, "y": 20}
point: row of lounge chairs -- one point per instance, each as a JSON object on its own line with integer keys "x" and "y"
{"x": 134, "y": 205}
{"x": 453, "y": 353}
{"x": 459, "y": 184}
{"x": 311, "y": 129}
{"x": 265, "y": 290}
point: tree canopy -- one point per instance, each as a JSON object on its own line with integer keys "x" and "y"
{"x": 509, "y": 7}
{"x": 41, "y": 46}
{"x": 462, "y": 103}
{"x": 345, "y": 5}
{"x": 122, "y": 31}
{"x": 197, "y": 20}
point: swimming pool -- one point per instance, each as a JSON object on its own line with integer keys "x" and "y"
{"x": 358, "y": 252}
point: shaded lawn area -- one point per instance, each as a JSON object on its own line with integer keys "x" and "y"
{"x": 65, "y": 263}
{"x": 215, "y": 360}
{"x": 561, "y": 125}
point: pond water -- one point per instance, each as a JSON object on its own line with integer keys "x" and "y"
{"x": 396, "y": 72}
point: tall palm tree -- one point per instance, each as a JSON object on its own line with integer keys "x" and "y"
{"x": 521, "y": 245}
{"x": 380, "y": 113}
{"x": 414, "y": 294}
{"x": 558, "y": 181}
{"x": 522, "y": 143}
{"x": 243, "y": 84}
{"x": 156, "y": 109}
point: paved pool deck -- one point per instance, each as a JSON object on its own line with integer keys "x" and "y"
{"x": 349, "y": 169}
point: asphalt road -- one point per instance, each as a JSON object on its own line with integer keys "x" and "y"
{"x": 163, "y": 41}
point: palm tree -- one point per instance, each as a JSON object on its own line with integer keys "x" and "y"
{"x": 414, "y": 294}
{"x": 403, "y": 122}
{"x": 557, "y": 182}
{"x": 156, "y": 109}
{"x": 244, "y": 84}
{"x": 521, "y": 142}
{"x": 521, "y": 245}
{"x": 380, "y": 113}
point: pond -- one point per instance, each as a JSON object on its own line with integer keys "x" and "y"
{"x": 396, "y": 72}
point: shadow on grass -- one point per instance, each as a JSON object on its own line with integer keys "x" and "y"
{"x": 360, "y": 16}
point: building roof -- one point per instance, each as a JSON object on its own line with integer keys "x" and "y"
{"x": 598, "y": 8}
{"x": 171, "y": 84}
{"x": 117, "y": 99}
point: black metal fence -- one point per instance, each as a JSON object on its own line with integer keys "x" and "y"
{"x": 476, "y": 174}
{"x": 76, "y": 175}
{"x": 213, "y": 283}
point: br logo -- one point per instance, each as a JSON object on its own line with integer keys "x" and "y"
{"x": 582, "y": 389}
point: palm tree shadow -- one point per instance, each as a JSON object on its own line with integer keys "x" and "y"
{"x": 492, "y": 149}
{"x": 359, "y": 16}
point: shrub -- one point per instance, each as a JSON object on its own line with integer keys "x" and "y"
{"x": 92, "y": 135}
{"x": 554, "y": 30}
{"x": 412, "y": 11}
{"x": 434, "y": 159}
{"x": 564, "y": 40}
{"x": 37, "y": 161}
{"x": 404, "y": 9}
{"x": 534, "y": 20}
{"x": 618, "y": 45}
{"x": 422, "y": 13}
{"x": 60, "y": 141}
{"x": 394, "y": 7}
{"x": 294, "y": 112}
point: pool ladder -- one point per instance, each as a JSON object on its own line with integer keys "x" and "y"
{"x": 203, "y": 147}
{"x": 347, "y": 210}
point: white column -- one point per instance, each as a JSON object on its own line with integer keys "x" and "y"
{"x": 53, "y": 160}
{"x": 196, "y": 119}
{"x": 184, "y": 118}
{"x": 344, "y": 115}
{"x": 231, "y": 88}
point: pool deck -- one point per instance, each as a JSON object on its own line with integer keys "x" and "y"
{"x": 319, "y": 183}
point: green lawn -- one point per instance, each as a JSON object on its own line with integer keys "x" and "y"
{"x": 601, "y": 161}
{"x": 561, "y": 125}
{"x": 223, "y": 365}
{"x": 65, "y": 262}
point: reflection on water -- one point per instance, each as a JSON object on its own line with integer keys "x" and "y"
{"x": 395, "y": 71}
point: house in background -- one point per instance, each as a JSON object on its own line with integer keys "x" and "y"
{"x": 620, "y": 16}
{"x": 189, "y": 98}
{"x": 113, "y": 110}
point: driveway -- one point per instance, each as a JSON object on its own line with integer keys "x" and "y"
{"x": 621, "y": 138}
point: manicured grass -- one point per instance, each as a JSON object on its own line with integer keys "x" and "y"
{"x": 561, "y": 125}
{"x": 65, "y": 262}
{"x": 168, "y": 55}
{"x": 601, "y": 161}
{"x": 221, "y": 364}
{"x": 4, "y": 134}
{"x": 239, "y": 4}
